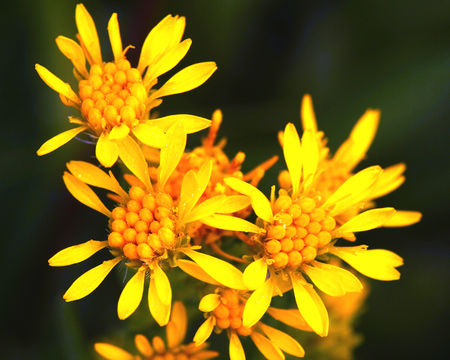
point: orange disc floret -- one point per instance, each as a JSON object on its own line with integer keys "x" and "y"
{"x": 229, "y": 312}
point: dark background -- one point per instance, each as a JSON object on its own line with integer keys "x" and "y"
{"x": 350, "y": 55}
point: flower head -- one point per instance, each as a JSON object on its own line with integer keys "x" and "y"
{"x": 114, "y": 98}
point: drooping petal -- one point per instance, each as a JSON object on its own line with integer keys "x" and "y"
{"x": 114, "y": 37}
{"x": 119, "y": 132}
{"x": 293, "y": 155}
{"x": 227, "y": 222}
{"x": 143, "y": 345}
{"x": 171, "y": 152}
{"x": 74, "y": 53}
{"x": 236, "y": 350}
{"x": 367, "y": 220}
{"x": 255, "y": 274}
{"x": 150, "y": 135}
{"x": 221, "y": 271}
{"x": 191, "y": 123}
{"x": 204, "y": 331}
{"x": 162, "y": 284}
{"x": 285, "y": 342}
{"x": 179, "y": 318}
{"x": 57, "y": 84}
{"x": 112, "y": 352}
{"x": 403, "y": 218}
{"x": 266, "y": 347}
{"x": 310, "y": 160}
{"x": 77, "y": 253}
{"x": 194, "y": 270}
{"x": 131, "y": 295}
{"x": 90, "y": 280}
{"x": 106, "y": 151}
{"x": 290, "y": 317}
{"x": 209, "y": 302}
{"x": 307, "y": 114}
{"x": 159, "y": 311}
{"x": 88, "y": 33}
{"x": 84, "y": 194}
{"x": 59, "y": 140}
{"x": 257, "y": 304}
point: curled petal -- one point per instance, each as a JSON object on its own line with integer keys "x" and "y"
{"x": 74, "y": 53}
{"x": 114, "y": 37}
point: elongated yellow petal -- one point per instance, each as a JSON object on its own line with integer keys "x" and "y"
{"x": 194, "y": 270}
{"x": 389, "y": 180}
{"x": 106, "y": 151}
{"x": 205, "y": 209}
{"x": 234, "y": 203}
{"x": 84, "y": 194}
{"x": 293, "y": 155}
{"x": 188, "y": 193}
{"x": 77, "y": 253}
{"x": 59, "y": 140}
{"x": 348, "y": 281}
{"x": 266, "y": 347}
{"x": 377, "y": 264}
{"x": 114, "y": 37}
{"x": 112, "y": 352}
{"x": 310, "y": 148}
{"x": 191, "y": 123}
{"x": 307, "y": 114}
{"x": 162, "y": 284}
{"x": 187, "y": 79}
{"x": 255, "y": 274}
{"x": 131, "y": 295}
{"x": 88, "y": 33}
{"x": 57, "y": 84}
{"x": 150, "y": 135}
{"x": 227, "y": 222}
{"x": 133, "y": 158}
{"x": 158, "y": 309}
{"x": 324, "y": 280}
{"x": 283, "y": 341}
{"x": 74, "y": 53}
{"x": 221, "y": 271}
{"x": 257, "y": 304}
{"x": 143, "y": 345}
{"x": 260, "y": 203}
{"x": 171, "y": 152}
{"x": 403, "y": 218}
{"x": 90, "y": 280}
{"x": 119, "y": 132}
{"x": 177, "y": 326}
{"x": 367, "y": 220}
{"x": 290, "y": 317}
{"x": 236, "y": 350}
{"x": 204, "y": 331}
{"x": 209, "y": 302}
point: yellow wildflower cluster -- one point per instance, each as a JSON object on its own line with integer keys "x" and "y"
{"x": 180, "y": 205}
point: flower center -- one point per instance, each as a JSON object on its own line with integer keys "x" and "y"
{"x": 300, "y": 228}
{"x": 113, "y": 95}
{"x": 229, "y": 313}
{"x": 145, "y": 227}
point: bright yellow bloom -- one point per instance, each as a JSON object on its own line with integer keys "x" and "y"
{"x": 148, "y": 227}
{"x": 225, "y": 310}
{"x": 175, "y": 350}
{"x": 114, "y": 98}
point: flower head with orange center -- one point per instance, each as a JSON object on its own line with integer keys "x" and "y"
{"x": 148, "y": 227}
{"x": 114, "y": 98}
{"x": 157, "y": 350}
{"x": 224, "y": 310}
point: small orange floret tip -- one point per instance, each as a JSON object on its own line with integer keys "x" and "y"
{"x": 299, "y": 230}
{"x": 144, "y": 227}
{"x": 113, "y": 95}
{"x": 229, "y": 313}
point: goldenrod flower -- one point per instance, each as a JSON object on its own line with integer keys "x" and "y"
{"x": 115, "y": 98}
{"x": 225, "y": 309}
{"x": 175, "y": 350}
{"x": 148, "y": 228}
{"x": 300, "y": 227}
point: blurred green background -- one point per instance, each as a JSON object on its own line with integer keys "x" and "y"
{"x": 350, "y": 55}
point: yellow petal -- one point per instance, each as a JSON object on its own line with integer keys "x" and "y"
{"x": 57, "y": 84}
{"x": 90, "y": 280}
{"x": 266, "y": 347}
{"x": 192, "y": 269}
{"x": 171, "y": 152}
{"x": 205, "y": 209}
{"x": 74, "y": 53}
{"x": 59, "y": 140}
{"x": 112, "y": 352}
{"x": 236, "y": 350}
{"x": 119, "y": 132}
{"x": 285, "y": 342}
{"x": 209, "y": 302}
{"x": 260, "y": 203}
{"x": 290, "y": 317}
{"x": 159, "y": 311}
{"x": 234, "y": 203}
{"x": 403, "y": 218}
{"x": 131, "y": 295}
{"x": 84, "y": 194}
{"x": 348, "y": 281}
{"x": 204, "y": 331}
{"x": 255, "y": 274}
{"x": 150, "y": 135}
{"x": 187, "y": 79}
{"x": 88, "y": 33}
{"x": 219, "y": 270}
{"x": 293, "y": 155}
{"x": 389, "y": 180}
{"x": 307, "y": 114}
{"x": 367, "y": 220}
{"x": 179, "y": 318}
{"x": 114, "y": 37}
{"x": 310, "y": 149}
{"x": 162, "y": 284}
{"x": 77, "y": 253}
{"x": 231, "y": 223}
{"x": 191, "y": 123}
{"x": 106, "y": 151}
{"x": 326, "y": 281}
{"x": 257, "y": 304}
{"x": 377, "y": 264}
{"x": 143, "y": 345}
{"x": 133, "y": 158}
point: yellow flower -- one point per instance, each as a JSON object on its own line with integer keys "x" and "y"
{"x": 175, "y": 334}
{"x": 148, "y": 228}
{"x": 300, "y": 228}
{"x": 225, "y": 309}
{"x": 114, "y": 98}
